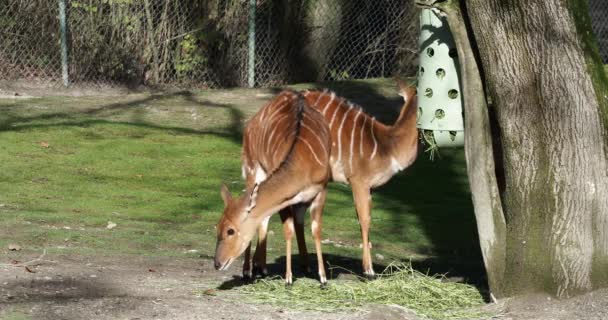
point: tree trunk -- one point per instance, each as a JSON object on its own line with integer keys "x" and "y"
{"x": 323, "y": 22}
{"x": 479, "y": 154}
{"x": 553, "y": 144}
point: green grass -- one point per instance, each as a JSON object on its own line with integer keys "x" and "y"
{"x": 14, "y": 315}
{"x": 153, "y": 164}
{"x": 398, "y": 285}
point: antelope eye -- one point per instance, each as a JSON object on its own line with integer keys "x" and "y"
{"x": 230, "y": 232}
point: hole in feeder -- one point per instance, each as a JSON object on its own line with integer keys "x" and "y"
{"x": 439, "y": 114}
{"x": 428, "y": 92}
{"x": 419, "y": 115}
{"x": 453, "y": 53}
{"x": 421, "y": 71}
{"x": 440, "y": 73}
{"x": 452, "y": 135}
{"x": 430, "y": 52}
{"x": 453, "y": 94}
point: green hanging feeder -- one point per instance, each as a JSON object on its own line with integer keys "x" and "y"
{"x": 440, "y": 115}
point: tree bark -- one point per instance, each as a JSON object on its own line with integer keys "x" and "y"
{"x": 323, "y": 21}
{"x": 479, "y": 154}
{"x": 553, "y": 145}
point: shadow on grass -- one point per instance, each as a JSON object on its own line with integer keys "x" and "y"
{"x": 11, "y": 121}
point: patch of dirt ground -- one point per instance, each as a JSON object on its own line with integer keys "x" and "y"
{"x": 138, "y": 288}
{"x": 77, "y": 287}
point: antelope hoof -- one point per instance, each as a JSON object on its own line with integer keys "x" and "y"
{"x": 259, "y": 272}
{"x": 247, "y": 276}
{"x": 323, "y": 280}
{"x": 370, "y": 277}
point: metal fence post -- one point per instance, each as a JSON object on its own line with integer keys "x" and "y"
{"x": 64, "y": 43}
{"x": 251, "y": 45}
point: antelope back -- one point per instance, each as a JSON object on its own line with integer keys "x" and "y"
{"x": 284, "y": 128}
{"x": 354, "y": 133}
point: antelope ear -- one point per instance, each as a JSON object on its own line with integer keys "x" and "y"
{"x": 407, "y": 91}
{"x": 226, "y": 195}
{"x": 252, "y": 198}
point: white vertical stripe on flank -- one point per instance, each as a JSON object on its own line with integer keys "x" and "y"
{"x": 275, "y": 124}
{"x": 340, "y": 133}
{"x": 274, "y": 153}
{"x": 361, "y": 136}
{"x": 270, "y": 137}
{"x": 335, "y": 113}
{"x": 319, "y": 97}
{"x": 311, "y": 150}
{"x": 317, "y": 136}
{"x": 375, "y": 142}
{"x": 278, "y": 109}
{"x": 333, "y": 97}
{"x": 352, "y": 141}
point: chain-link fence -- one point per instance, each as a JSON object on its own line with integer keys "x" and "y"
{"x": 598, "y": 9}
{"x": 204, "y": 43}
{"x": 334, "y": 40}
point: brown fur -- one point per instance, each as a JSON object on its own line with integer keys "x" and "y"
{"x": 378, "y": 152}
{"x": 286, "y": 145}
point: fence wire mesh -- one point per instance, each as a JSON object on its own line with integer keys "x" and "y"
{"x": 203, "y": 43}
{"x": 29, "y": 41}
{"x": 598, "y": 10}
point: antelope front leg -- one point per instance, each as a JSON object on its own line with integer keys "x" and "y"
{"x": 362, "y": 197}
{"x": 247, "y": 264}
{"x": 316, "y": 211}
{"x": 259, "y": 258}
{"x": 287, "y": 217}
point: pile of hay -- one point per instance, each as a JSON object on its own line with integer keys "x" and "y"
{"x": 399, "y": 285}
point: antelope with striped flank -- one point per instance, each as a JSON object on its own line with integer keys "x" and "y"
{"x": 286, "y": 150}
{"x": 365, "y": 153}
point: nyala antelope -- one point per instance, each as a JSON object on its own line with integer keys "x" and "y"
{"x": 286, "y": 150}
{"x": 364, "y": 153}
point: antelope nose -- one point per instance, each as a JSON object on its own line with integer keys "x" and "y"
{"x": 218, "y": 265}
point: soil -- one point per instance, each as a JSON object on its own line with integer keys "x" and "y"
{"x": 75, "y": 287}
{"x": 79, "y": 287}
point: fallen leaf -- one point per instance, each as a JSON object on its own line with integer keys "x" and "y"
{"x": 44, "y": 144}
{"x": 139, "y": 175}
{"x": 209, "y": 292}
{"x": 29, "y": 270}
{"x": 151, "y": 270}
{"x": 111, "y": 225}
{"x": 14, "y": 247}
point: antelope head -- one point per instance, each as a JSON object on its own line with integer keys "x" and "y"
{"x": 235, "y": 229}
